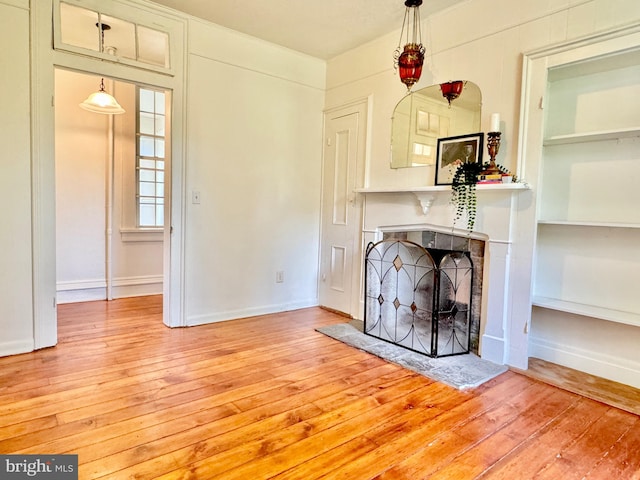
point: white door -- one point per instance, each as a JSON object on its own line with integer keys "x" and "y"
{"x": 344, "y": 153}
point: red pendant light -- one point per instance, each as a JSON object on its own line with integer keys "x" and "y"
{"x": 452, "y": 90}
{"x": 410, "y": 58}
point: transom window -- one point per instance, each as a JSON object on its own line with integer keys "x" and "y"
{"x": 150, "y": 158}
{"x": 89, "y": 31}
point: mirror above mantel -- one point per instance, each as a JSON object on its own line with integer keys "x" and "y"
{"x": 424, "y": 116}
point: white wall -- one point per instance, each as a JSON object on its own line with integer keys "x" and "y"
{"x": 81, "y": 157}
{"x": 254, "y": 154}
{"x": 16, "y": 297}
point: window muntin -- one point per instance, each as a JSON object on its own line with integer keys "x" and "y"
{"x": 119, "y": 38}
{"x": 150, "y": 158}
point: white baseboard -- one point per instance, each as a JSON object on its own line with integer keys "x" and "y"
{"x": 92, "y": 290}
{"x": 88, "y": 284}
{"x": 16, "y": 347}
{"x": 81, "y": 295}
{"x": 137, "y": 286}
{"x": 617, "y": 369}
{"x": 194, "y": 320}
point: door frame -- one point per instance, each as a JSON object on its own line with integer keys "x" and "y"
{"x": 363, "y": 106}
{"x": 44, "y": 60}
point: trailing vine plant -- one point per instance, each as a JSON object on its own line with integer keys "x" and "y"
{"x": 463, "y": 190}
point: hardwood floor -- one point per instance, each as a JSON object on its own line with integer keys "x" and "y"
{"x": 606, "y": 391}
{"x": 268, "y": 397}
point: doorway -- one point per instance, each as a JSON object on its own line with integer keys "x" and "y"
{"x": 343, "y": 171}
{"x": 111, "y": 202}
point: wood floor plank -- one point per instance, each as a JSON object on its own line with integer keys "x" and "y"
{"x": 579, "y": 458}
{"x": 208, "y": 450}
{"x": 200, "y": 437}
{"x": 247, "y": 447}
{"x": 259, "y": 447}
{"x": 429, "y": 430}
{"x": 449, "y": 441}
{"x": 270, "y": 397}
{"x": 333, "y": 429}
{"x": 119, "y": 443}
{"x": 621, "y": 460}
{"x": 494, "y": 444}
{"x": 118, "y": 386}
{"x": 534, "y": 454}
{"x": 336, "y": 457}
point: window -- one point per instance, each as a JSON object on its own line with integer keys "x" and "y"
{"x": 150, "y": 157}
{"x": 82, "y": 30}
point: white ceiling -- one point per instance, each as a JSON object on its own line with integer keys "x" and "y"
{"x": 320, "y": 28}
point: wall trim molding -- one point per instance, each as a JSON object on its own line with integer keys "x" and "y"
{"x": 193, "y": 320}
{"x": 142, "y": 235}
{"x": 618, "y": 369}
{"x": 96, "y": 289}
{"x": 16, "y": 347}
{"x": 492, "y": 348}
{"x": 139, "y": 280}
{"x": 23, "y": 4}
{"x": 101, "y": 283}
{"x": 81, "y": 285}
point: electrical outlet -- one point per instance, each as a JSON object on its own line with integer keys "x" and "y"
{"x": 279, "y": 276}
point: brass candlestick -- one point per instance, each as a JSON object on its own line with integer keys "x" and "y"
{"x": 493, "y": 146}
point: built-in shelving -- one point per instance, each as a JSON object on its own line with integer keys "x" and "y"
{"x": 611, "y": 315}
{"x": 570, "y": 223}
{"x": 592, "y": 136}
{"x": 581, "y": 147}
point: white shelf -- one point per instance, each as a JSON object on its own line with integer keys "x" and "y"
{"x": 444, "y": 188}
{"x": 426, "y": 195}
{"x": 592, "y": 136}
{"x": 592, "y": 66}
{"x": 617, "y": 316}
{"x": 589, "y": 224}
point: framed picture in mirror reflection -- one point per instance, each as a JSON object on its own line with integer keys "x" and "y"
{"x": 453, "y": 152}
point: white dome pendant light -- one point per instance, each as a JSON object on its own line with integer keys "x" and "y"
{"x": 102, "y": 102}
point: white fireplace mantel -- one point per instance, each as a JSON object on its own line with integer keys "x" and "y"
{"x": 384, "y": 207}
{"x": 426, "y": 195}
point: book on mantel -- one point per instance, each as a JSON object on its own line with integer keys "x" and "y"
{"x": 493, "y": 178}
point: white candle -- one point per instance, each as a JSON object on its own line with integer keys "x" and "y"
{"x": 495, "y": 122}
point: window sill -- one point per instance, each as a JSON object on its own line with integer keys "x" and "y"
{"x": 142, "y": 234}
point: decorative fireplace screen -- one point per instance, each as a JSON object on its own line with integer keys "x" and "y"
{"x": 418, "y": 298}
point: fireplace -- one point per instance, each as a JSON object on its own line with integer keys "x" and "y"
{"x": 500, "y": 292}
{"x": 421, "y": 291}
